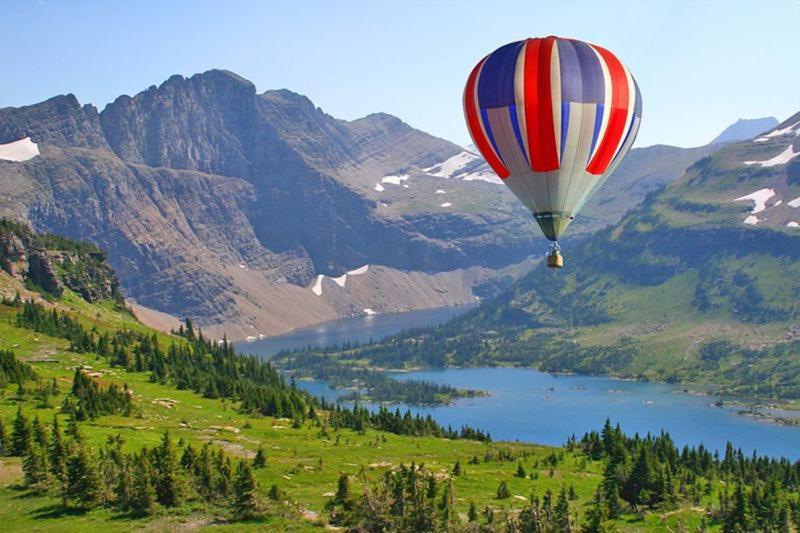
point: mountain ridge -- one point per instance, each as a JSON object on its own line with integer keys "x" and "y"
{"x": 225, "y": 204}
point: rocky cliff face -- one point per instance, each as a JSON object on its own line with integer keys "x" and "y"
{"x": 51, "y": 263}
{"x": 222, "y": 204}
{"x": 225, "y": 205}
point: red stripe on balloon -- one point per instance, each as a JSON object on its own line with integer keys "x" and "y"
{"x": 539, "y": 105}
{"x": 474, "y": 125}
{"x": 616, "y": 118}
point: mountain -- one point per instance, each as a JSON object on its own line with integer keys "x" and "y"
{"x": 227, "y": 205}
{"x": 713, "y": 258}
{"x": 258, "y": 213}
{"x": 700, "y": 283}
{"x": 643, "y": 170}
{"x": 745, "y": 128}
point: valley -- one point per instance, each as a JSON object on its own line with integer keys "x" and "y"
{"x": 684, "y": 289}
{"x": 256, "y": 452}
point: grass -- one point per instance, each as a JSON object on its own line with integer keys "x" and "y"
{"x": 303, "y": 462}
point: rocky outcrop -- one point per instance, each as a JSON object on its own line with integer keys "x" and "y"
{"x": 51, "y": 264}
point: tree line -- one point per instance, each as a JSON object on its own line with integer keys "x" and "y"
{"x": 215, "y": 370}
{"x": 754, "y": 493}
{"x": 373, "y": 385}
{"x": 62, "y": 464}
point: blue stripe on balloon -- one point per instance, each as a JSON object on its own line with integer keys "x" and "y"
{"x": 598, "y": 121}
{"x": 488, "y": 128}
{"x": 512, "y": 113}
{"x": 564, "y": 126}
{"x": 570, "y": 70}
{"x": 590, "y": 73}
{"x": 496, "y": 82}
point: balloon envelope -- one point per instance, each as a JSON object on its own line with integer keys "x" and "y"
{"x": 553, "y": 118}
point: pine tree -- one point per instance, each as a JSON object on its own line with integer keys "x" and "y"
{"x": 457, "y": 470}
{"x": 21, "y": 435}
{"x": 275, "y": 494}
{"x": 244, "y": 490}
{"x": 472, "y": 514}
{"x": 56, "y": 453}
{"x": 596, "y": 515}
{"x": 740, "y": 516}
{"x": 167, "y": 479}
{"x": 5, "y": 442}
{"x": 82, "y": 486}
{"x": 260, "y": 460}
{"x": 610, "y": 486}
{"x": 142, "y": 494}
{"x": 520, "y": 471}
{"x": 39, "y": 432}
{"x": 561, "y": 518}
{"x": 73, "y": 430}
{"x": 34, "y": 467}
{"x": 502, "y": 491}
{"x": 446, "y": 505}
{"x": 343, "y": 490}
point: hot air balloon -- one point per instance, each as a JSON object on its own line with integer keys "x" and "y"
{"x": 553, "y": 117}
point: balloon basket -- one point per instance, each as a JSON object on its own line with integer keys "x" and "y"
{"x": 555, "y": 260}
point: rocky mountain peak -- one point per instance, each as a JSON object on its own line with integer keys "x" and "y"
{"x": 60, "y": 120}
{"x": 745, "y": 128}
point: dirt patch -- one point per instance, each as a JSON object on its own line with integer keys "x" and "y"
{"x": 10, "y": 472}
{"x": 232, "y": 448}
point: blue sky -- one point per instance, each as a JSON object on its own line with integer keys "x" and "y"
{"x": 700, "y": 65}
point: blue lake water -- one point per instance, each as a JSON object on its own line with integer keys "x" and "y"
{"x": 358, "y": 329}
{"x": 533, "y": 406}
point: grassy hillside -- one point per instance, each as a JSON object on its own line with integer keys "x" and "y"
{"x": 326, "y": 465}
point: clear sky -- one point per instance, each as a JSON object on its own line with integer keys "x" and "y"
{"x": 700, "y": 64}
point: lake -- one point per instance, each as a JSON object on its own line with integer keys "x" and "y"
{"x": 357, "y": 329}
{"x": 533, "y": 406}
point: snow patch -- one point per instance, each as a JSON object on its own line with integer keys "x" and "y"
{"x": 369, "y": 312}
{"x": 317, "y": 288}
{"x": 448, "y": 167}
{"x": 446, "y": 204}
{"x": 358, "y": 271}
{"x": 483, "y": 175}
{"x": 780, "y": 159}
{"x": 778, "y": 133}
{"x": 793, "y": 224}
{"x": 440, "y": 191}
{"x": 752, "y": 220}
{"x": 794, "y": 203}
{"x": 379, "y": 187}
{"x": 395, "y": 180}
{"x": 242, "y": 266}
{"x": 18, "y": 151}
{"x": 759, "y": 197}
{"x": 340, "y": 281}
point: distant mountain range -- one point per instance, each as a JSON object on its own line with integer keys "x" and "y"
{"x": 257, "y": 213}
{"x": 701, "y": 282}
{"x": 744, "y": 129}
